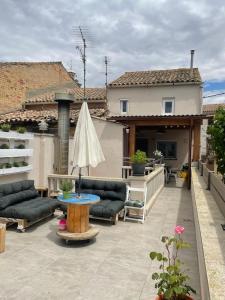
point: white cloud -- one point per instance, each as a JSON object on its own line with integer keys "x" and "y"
{"x": 136, "y": 35}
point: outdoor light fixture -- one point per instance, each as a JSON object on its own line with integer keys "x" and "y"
{"x": 43, "y": 125}
{"x": 127, "y": 130}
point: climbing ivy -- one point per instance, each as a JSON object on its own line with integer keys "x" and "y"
{"x": 217, "y": 132}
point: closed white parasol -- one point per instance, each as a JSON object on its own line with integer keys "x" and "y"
{"x": 87, "y": 148}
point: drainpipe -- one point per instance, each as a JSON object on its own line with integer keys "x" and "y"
{"x": 192, "y": 59}
{"x": 63, "y": 100}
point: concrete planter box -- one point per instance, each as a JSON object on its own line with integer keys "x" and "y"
{"x": 15, "y": 170}
{"x": 15, "y": 135}
{"x": 16, "y": 152}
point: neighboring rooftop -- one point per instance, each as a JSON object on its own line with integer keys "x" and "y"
{"x": 158, "y": 77}
{"x": 92, "y": 94}
{"x": 210, "y": 109}
{"x": 16, "y": 78}
{"x": 51, "y": 115}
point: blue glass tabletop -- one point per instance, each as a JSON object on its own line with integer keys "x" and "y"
{"x": 82, "y": 199}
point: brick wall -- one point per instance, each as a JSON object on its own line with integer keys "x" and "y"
{"x": 17, "y": 78}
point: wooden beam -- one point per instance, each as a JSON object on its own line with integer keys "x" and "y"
{"x": 132, "y": 139}
{"x": 159, "y": 122}
{"x": 196, "y": 147}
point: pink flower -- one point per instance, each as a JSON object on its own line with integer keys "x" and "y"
{"x": 179, "y": 229}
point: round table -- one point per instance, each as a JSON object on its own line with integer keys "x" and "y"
{"x": 77, "y": 223}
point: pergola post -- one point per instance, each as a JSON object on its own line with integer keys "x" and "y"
{"x": 132, "y": 139}
{"x": 196, "y": 147}
{"x": 190, "y": 153}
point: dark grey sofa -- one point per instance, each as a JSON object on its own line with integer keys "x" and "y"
{"x": 112, "y": 195}
{"x": 20, "y": 203}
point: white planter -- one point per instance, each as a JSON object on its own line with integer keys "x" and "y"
{"x": 16, "y": 152}
{"x": 15, "y": 170}
{"x": 15, "y": 135}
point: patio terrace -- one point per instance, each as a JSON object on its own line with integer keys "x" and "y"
{"x": 38, "y": 265}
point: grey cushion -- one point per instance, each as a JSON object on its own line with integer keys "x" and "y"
{"x": 113, "y": 190}
{"x": 15, "y": 187}
{"x": 31, "y": 210}
{"x": 106, "y": 208}
{"x": 17, "y": 197}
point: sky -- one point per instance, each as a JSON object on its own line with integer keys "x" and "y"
{"x": 135, "y": 35}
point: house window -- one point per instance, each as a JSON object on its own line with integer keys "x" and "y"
{"x": 168, "y": 106}
{"x": 168, "y": 149}
{"x": 123, "y": 106}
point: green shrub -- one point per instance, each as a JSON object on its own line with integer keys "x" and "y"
{"x": 24, "y": 164}
{"x": 139, "y": 157}
{"x": 16, "y": 164}
{"x": 5, "y": 127}
{"x": 66, "y": 186}
{"x": 217, "y": 132}
{"x": 20, "y": 146}
{"x": 4, "y": 146}
{"x": 21, "y": 129}
{"x": 8, "y": 165}
{"x": 1, "y": 166}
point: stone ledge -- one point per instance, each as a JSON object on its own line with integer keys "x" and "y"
{"x": 210, "y": 240}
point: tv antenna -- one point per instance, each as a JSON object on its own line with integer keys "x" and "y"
{"x": 82, "y": 50}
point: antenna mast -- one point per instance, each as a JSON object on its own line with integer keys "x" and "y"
{"x": 83, "y": 57}
{"x": 106, "y": 71}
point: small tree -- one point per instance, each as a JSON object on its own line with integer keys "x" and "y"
{"x": 217, "y": 132}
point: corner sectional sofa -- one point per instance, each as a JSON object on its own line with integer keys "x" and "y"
{"x": 20, "y": 203}
{"x": 112, "y": 195}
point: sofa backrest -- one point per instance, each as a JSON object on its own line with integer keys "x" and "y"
{"x": 110, "y": 190}
{"x": 11, "y": 193}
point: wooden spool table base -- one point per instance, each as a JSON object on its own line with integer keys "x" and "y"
{"x": 78, "y": 227}
{"x": 81, "y": 236}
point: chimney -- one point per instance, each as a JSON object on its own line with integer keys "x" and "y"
{"x": 63, "y": 101}
{"x": 72, "y": 74}
{"x": 192, "y": 58}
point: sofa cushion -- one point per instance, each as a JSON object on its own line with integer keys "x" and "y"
{"x": 112, "y": 190}
{"x": 31, "y": 210}
{"x": 15, "y": 187}
{"x": 106, "y": 208}
{"x": 17, "y": 197}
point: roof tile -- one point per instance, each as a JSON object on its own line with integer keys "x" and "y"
{"x": 158, "y": 77}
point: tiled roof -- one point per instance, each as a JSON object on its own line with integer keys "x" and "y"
{"x": 16, "y": 78}
{"x": 92, "y": 94}
{"x": 210, "y": 109}
{"x": 158, "y": 77}
{"x": 49, "y": 115}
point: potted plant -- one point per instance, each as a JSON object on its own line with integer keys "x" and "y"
{"x": 21, "y": 130}
{"x": 139, "y": 160}
{"x": 4, "y": 146}
{"x": 171, "y": 281}
{"x": 158, "y": 155}
{"x": 66, "y": 186}
{"x": 5, "y": 127}
{"x": 20, "y": 146}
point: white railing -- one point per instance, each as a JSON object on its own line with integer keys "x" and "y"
{"x": 154, "y": 184}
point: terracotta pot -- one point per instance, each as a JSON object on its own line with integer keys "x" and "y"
{"x": 161, "y": 298}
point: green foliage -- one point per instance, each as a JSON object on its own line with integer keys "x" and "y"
{"x": 5, "y": 127}
{"x": 16, "y": 164}
{"x": 20, "y": 146}
{"x": 217, "y": 132}
{"x": 139, "y": 157}
{"x": 4, "y": 146}
{"x": 8, "y": 165}
{"x": 24, "y": 164}
{"x": 66, "y": 186}
{"x": 170, "y": 280}
{"x": 21, "y": 129}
